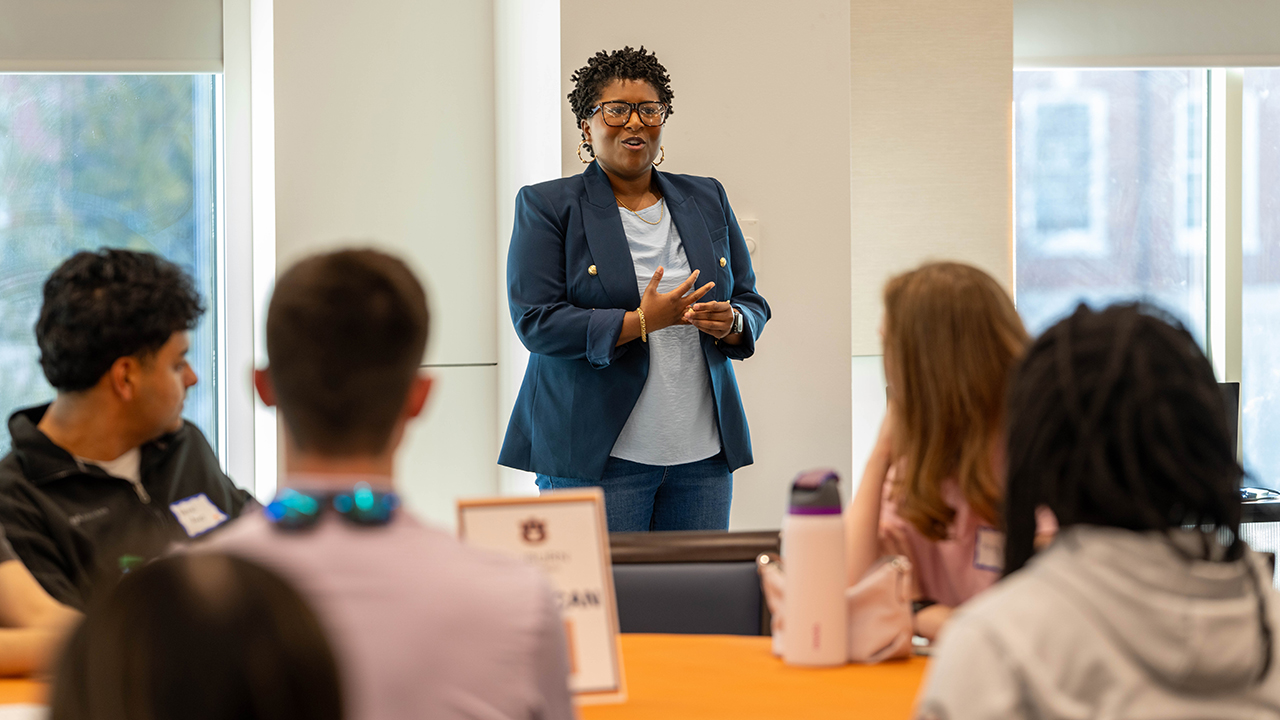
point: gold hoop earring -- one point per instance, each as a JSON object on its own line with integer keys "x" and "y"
{"x": 584, "y": 144}
{"x": 662, "y": 150}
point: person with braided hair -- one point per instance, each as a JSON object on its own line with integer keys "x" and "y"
{"x": 632, "y": 290}
{"x": 1147, "y": 604}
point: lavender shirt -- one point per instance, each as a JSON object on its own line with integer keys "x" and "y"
{"x": 423, "y": 626}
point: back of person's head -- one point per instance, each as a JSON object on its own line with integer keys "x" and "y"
{"x": 1116, "y": 420}
{"x": 198, "y": 637}
{"x": 951, "y": 340}
{"x": 346, "y": 332}
{"x": 105, "y": 305}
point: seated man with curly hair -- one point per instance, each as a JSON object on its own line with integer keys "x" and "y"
{"x": 109, "y": 474}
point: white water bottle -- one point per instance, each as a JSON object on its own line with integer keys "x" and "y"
{"x": 815, "y": 626}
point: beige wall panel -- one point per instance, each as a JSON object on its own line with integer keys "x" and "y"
{"x": 786, "y": 166}
{"x": 385, "y": 134}
{"x": 932, "y": 98}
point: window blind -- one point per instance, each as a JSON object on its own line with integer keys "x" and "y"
{"x": 1145, "y": 33}
{"x": 110, "y": 36}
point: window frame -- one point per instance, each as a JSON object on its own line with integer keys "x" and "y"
{"x": 249, "y": 454}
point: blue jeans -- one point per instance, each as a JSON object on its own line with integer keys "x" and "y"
{"x": 639, "y": 498}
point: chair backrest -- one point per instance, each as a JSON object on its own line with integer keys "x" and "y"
{"x": 690, "y": 582}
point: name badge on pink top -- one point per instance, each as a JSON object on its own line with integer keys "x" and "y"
{"x": 988, "y": 550}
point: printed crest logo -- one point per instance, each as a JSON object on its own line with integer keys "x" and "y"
{"x": 533, "y": 531}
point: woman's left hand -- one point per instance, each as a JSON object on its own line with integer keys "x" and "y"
{"x": 712, "y": 318}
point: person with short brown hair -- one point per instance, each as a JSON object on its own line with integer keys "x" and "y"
{"x": 425, "y": 626}
{"x": 343, "y": 367}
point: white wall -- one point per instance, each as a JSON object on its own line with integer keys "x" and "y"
{"x": 789, "y": 170}
{"x": 385, "y": 136}
{"x": 527, "y": 46}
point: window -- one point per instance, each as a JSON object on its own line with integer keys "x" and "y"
{"x": 1260, "y": 307}
{"x": 105, "y": 160}
{"x": 1065, "y": 149}
{"x": 1109, "y": 191}
{"x": 1155, "y": 241}
{"x": 1191, "y": 138}
{"x": 1064, "y": 159}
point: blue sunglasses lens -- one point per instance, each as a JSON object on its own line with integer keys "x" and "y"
{"x": 365, "y": 506}
{"x": 292, "y": 510}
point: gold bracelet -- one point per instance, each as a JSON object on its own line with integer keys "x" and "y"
{"x": 644, "y": 336}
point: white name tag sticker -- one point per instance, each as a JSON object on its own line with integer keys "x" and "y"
{"x": 988, "y": 550}
{"x": 565, "y": 534}
{"x": 197, "y": 514}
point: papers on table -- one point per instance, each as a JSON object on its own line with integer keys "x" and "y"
{"x": 24, "y": 712}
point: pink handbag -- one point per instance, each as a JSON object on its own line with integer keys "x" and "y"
{"x": 880, "y": 612}
{"x": 879, "y": 608}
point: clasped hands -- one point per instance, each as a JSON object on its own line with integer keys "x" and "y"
{"x": 681, "y": 306}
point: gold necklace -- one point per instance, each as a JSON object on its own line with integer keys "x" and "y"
{"x": 661, "y": 201}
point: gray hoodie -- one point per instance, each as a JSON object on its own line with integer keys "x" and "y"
{"x": 1108, "y": 623}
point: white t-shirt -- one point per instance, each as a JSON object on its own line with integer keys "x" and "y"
{"x": 126, "y": 467}
{"x": 674, "y": 421}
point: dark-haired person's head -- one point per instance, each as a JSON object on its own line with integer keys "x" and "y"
{"x": 1115, "y": 419}
{"x": 346, "y": 332}
{"x": 199, "y": 637}
{"x": 621, "y": 100}
{"x": 116, "y": 322}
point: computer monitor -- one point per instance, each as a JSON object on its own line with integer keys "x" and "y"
{"x": 1231, "y": 398}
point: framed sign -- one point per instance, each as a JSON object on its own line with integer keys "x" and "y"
{"x": 563, "y": 532}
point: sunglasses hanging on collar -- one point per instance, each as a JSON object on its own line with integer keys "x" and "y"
{"x": 361, "y": 505}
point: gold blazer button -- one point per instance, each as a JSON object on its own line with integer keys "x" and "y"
{"x": 723, "y": 262}
{"x": 591, "y": 270}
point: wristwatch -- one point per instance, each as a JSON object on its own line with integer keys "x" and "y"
{"x": 737, "y": 321}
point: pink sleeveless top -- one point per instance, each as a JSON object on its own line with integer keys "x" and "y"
{"x": 967, "y": 562}
{"x": 948, "y": 571}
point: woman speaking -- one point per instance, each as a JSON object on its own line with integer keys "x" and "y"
{"x": 632, "y": 290}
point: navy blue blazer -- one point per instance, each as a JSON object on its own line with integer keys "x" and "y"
{"x": 570, "y": 279}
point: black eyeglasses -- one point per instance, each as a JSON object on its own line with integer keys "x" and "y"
{"x": 616, "y": 113}
{"x": 362, "y": 505}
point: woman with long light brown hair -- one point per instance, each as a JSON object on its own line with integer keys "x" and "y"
{"x": 934, "y": 487}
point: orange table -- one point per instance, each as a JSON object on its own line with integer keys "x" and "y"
{"x": 22, "y": 691}
{"x": 674, "y": 677}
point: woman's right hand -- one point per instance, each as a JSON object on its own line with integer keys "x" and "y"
{"x": 666, "y": 309}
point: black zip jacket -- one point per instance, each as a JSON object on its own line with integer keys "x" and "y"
{"x": 74, "y": 525}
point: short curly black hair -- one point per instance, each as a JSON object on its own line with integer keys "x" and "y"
{"x": 605, "y": 67}
{"x": 105, "y": 305}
